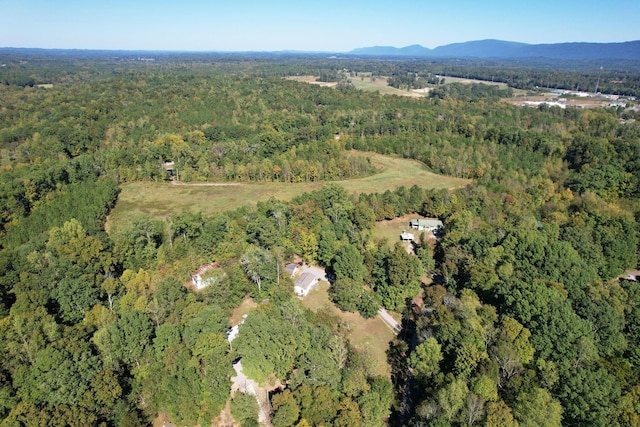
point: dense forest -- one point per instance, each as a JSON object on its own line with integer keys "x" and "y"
{"x": 515, "y": 315}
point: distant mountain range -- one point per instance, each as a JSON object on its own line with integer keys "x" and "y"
{"x": 500, "y": 49}
{"x": 479, "y": 49}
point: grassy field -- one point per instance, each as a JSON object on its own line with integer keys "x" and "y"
{"x": 362, "y": 82}
{"x": 370, "y": 337}
{"x": 163, "y": 199}
{"x": 311, "y": 80}
{"x": 391, "y": 229}
{"x": 448, "y": 80}
{"x": 380, "y": 85}
{"x": 247, "y": 305}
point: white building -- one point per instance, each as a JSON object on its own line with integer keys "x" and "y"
{"x": 425, "y": 224}
{"x": 406, "y": 236}
{"x": 304, "y": 284}
{"x": 201, "y": 281}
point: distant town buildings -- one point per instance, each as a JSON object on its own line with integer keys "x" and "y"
{"x": 567, "y": 98}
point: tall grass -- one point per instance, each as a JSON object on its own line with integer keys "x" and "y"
{"x": 161, "y": 200}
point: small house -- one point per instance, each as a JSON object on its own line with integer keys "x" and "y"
{"x": 425, "y": 224}
{"x": 630, "y": 275}
{"x": 291, "y": 269}
{"x": 169, "y": 168}
{"x": 304, "y": 284}
{"x": 406, "y": 236}
{"x": 233, "y": 332}
{"x": 200, "y": 279}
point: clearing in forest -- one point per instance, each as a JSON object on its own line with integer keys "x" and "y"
{"x": 380, "y": 84}
{"x": 162, "y": 199}
{"x": 391, "y": 229}
{"x": 365, "y": 82}
{"x": 448, "y": 80}
{"x": 370, "y": 337}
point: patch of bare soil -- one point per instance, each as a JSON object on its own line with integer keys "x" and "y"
{"x": 401, "y": 219}
{"x": 245, "y": 307}
{"x": 225, "y": 419}
{"x": 569, "y": 102}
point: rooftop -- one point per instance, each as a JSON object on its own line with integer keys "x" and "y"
{"x": 204, "y": 268}
{"x": 305, "y": 281}
{"x": 427, "y": 222}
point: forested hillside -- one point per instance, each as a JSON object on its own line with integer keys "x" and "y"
{"x": 514, "y": 315}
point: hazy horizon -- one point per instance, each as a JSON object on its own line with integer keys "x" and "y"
{"x": 312, "y": 26}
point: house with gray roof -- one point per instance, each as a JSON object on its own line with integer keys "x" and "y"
{"x": 304, "y": 284}
{"x": 425, "y": 224}
{"x": 404, "y": 236}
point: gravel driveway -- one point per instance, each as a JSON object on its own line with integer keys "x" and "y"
{"x": 390, "y": 321}
{"x": 318, "y": 272}
{"x": 248, "y": 386}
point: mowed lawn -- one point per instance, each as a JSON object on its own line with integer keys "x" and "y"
{"x": 392, "y": 229}
{"x": 379, "y": 85}
{"x": 163, "y": 199}
{"x": 370, "y": 337}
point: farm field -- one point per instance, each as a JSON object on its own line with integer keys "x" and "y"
{"x": 380, "y": 85}
{"x": 363, "y": 83}
{"x": 163, "y": 199}
{"x": 448, "y": 80}
{"x": 311, "y": 80}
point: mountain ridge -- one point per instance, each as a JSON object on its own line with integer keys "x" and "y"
{"x": 501, "y": 49}
{"x": 477, "y": 49}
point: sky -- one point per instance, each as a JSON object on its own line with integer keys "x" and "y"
{"x": 322, "y": 26}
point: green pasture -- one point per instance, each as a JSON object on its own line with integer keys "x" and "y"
{"x": 449, "y": 80}
{"x": 163, "y": 199}
{"x": 380, "y": 85}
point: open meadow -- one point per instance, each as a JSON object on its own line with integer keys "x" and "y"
{"x": 449, "y": 80}
{"x": 163, "y": 199}
{"x": 380, "y": 84}
{"x": 362, "y": 82}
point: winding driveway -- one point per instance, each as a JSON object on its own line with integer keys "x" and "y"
{"x": 246, "y": 385}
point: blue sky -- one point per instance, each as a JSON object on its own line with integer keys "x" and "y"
{"x": 329, "y": 25}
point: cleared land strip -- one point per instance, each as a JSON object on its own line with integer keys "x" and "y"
{"x": 162, "y": 199}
